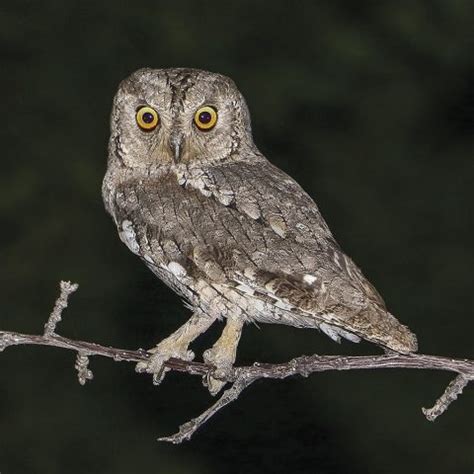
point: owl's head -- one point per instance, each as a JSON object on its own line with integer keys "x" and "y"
{"x": 166, "y": 117}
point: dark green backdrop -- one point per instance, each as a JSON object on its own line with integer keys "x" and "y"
{"x": 369, "y": 105}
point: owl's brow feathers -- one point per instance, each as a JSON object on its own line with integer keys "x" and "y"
{"x": 179, "y": 85}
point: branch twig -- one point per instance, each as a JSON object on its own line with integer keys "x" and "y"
{"x": 67, "y": 288}
{"x": 452, "y": 391}
{"x": 242, "y": 377}
{"x": 242, "y": 380}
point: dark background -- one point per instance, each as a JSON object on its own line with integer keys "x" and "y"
{"x": 369, "y": 105}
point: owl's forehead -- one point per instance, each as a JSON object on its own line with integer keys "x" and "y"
{"x": 179, "y": 88}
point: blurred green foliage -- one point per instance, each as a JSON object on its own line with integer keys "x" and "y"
{"x": 368, "y": 104}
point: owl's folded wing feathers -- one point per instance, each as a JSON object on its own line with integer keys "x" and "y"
{"x": 329, "y": 285}
{"x": 252, "y": 228}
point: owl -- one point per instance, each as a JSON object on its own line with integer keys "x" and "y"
{"x": 237, "y": 238}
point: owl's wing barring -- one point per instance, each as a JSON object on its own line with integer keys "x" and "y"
{"x": 272, "y": 244}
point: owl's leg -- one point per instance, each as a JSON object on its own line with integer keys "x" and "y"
{"x": 222, "y": 353}
{"x": 175, "y": 345}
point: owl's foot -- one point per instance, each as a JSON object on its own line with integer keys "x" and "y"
{"x": 164, "y": 351}
{"x": 222, "y": 356}
{"x": 175, "y": 346}
{"x": 213, "y": 380}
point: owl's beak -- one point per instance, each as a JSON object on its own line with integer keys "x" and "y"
{"x": 176, "y": 144}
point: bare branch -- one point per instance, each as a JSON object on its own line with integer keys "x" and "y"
{"x": 455, "y": 388}
{"x": 242, "y": 377}
{"x": 82, "y": 366}
{"x": 304, "y": 365}
{"x": 186, "y": 430}
{"x": 67, "y": 288}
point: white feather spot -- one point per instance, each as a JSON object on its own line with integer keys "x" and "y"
{"x": 250, "y": 208}
{"x": 128, "y": 237}
{"x": 225, "y": 197}
{"x": 335, "y": 333}
{"x": 282, "y": 305}
{"x": 348, "y": 335}
{"x": 177, "y": 269}
{"x": 309, "y": 279}
{"x": 278, "y": 225}
{"x": 245, "y": 289}
{"x": 200, "y": 182}
{"x": 330, "y": 331}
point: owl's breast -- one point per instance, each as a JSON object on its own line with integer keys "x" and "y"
{"x": 154, "y": 219}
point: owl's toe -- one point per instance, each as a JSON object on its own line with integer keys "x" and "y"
{"x": 155, "y": 365}
{"x": 214, "y": 380}
{"x": 213, "y": 384}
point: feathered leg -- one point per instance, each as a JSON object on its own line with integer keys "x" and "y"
{"x": 222, "y": 354}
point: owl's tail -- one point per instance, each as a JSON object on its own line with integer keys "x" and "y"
{"x": 387, "y": 331}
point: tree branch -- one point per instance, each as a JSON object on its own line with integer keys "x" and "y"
{"x": 67, "y": 289}
{"x": 242, "y": 377}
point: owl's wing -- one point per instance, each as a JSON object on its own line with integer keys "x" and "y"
{"x": 299, "y": 261}
{"x": 252, "y": 228}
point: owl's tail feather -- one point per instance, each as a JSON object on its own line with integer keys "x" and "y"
{"x": 383, "y": 328}
{"x": 405, "y": 341}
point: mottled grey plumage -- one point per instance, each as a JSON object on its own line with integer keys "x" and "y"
{"x": 235, "y": 236}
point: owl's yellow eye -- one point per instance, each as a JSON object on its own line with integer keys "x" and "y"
{"x": 147, "y": 118}
{"x": 205, "y": 118}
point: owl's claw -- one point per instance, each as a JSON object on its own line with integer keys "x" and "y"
{"x": 160, "y": 354}
{"x": 214, "y": 379}
{"x": 213, "y": 384}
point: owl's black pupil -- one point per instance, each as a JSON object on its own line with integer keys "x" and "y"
{"x": 205, "y": 117}
{"x": 148, "y": 117}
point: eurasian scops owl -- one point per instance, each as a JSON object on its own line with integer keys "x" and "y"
{"x": 232, "y": 234}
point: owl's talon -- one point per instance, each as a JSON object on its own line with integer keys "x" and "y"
{"x": 214, "y": 380}
{"x": 160, "y": 375}
{"x": 141, "y": 367}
